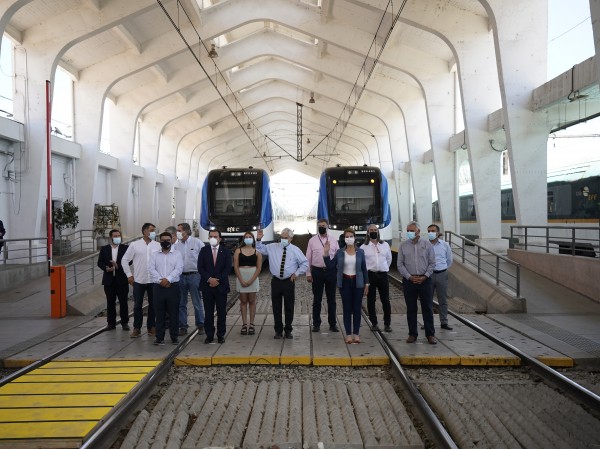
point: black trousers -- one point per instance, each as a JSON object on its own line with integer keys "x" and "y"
{"x": 379, "y": 281}
{"x": 212, "y": 298}
{"x": 114, "y": 292}
{"x": 283, "y": 292}
{"x": 166, "y": 300}
{"x": 323, "y": 280}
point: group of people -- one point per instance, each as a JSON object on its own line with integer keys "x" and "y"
{"x": 180, "y": 264}
{"x": 167, "y": 271}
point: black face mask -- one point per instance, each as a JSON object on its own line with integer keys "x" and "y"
{"x": 165, "y": 244}
{"x": 373, "y": 235}
{"x": 322, "y": 230}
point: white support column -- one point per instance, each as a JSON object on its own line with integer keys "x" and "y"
{"x": 521, "y": 30}
{"x": 402, "y": 182}
{"x": 421, "y": 175}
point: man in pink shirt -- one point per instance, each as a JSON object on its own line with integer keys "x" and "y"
{"x": 320, "y": 277}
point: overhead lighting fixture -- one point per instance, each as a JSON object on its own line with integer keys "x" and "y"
{"x": 307, "y": 140}
{"x": 213, "y": 52}
{"x": 312, "y": 97}
{"x": 248, "y": 127}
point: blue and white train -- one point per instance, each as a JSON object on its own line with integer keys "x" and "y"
{"x": 236, "y": 200}
{"x": 355, "y": 197}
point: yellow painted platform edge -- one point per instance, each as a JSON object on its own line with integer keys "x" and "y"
{"x": 332, "y": 361}
{"x": 491, "y": 360}
{"x": 17, "y": 363}
{"x": 103, "y": 363}
{"x": 193, "y": 361}
{"x": 231, "y": 360}
{"x": 430, "y": 360}
{"x": 265, "y": 360}
{"x": 563, "y": 362}
{"x": 295, "y": 360}
{"x": 376, "y": 360}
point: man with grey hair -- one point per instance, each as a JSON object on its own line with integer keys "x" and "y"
{"x": 173, "y": 231}
{"x": 189, "y": 247}
{"x": 286, "y": 263}
{"x": 416, "y": 261}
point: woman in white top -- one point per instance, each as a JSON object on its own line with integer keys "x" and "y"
{"x": 352, "y": 280}
{"x": 379, "y": 257}
{"x": 247, "y": 263}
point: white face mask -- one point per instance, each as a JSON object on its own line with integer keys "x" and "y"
{"x": 349, "y": 241}
{"x": 179, "y": 235}
{"x": 213, "y": 241}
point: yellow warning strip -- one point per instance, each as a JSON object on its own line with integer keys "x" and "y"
{"x": 430, "y": 360}
{"x": 66, "y": 388}
{"x": 332, "y": 361}
{"x": 264, "y": 360}
{"x": 14, "y": 363}
{"x": 36, "y": 414}
{"x": 231, "y": 360}
{"x": 490, "y": 360}
{"x": 564, "y": 362}
{"x": 55, "y": 400}
{"x": 101, "y": 363}
{"x": 375, "y": 360}
{"x": 38, "y": 430}
{"x": 92, "y": 377}
{"x": 295, "y": 360}
{"x": 91, "y": 370}
{"x": 193, "y": 361}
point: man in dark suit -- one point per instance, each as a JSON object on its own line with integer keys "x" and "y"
{"x": 2, "y": 232}
{"x": 214, "y": 266}
{"x": 114, "y": 280}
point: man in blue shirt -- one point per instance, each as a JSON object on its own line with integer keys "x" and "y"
{"x": 439, "y": 278}
{"x": 286, "y": 263}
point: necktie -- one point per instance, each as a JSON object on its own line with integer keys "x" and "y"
{"x": 214, "y": 256}
{"x": 282, "y": 264}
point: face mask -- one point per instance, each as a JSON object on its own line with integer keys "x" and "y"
{"x": 411, "y": 235}
{"x": 179, "y": 235}
{"x": 117, "y": 240}
{"x": 248, "y": 241}
{"x": 349, "y": 241}
{"x": 213, "y": 241}
{"x": 285, "y": 242}
{"x": 432, "y": 235}
{"x": 373, "y": 235}
{"x": 165, "y": 244}
{"x": 322, "y": 230}
{"x": 152, "y": 235}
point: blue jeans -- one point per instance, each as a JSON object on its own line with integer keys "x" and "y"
{"x": 190, "y": 283}
{"x": 138, "y": 313}
{"x": 351, "y": 303}
{"x": 424, "y": 293}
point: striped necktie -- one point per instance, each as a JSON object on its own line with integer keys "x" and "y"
{"x": 282, "y": 264}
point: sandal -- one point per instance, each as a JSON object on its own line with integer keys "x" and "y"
{"x": 349, "y": 340}
{"x": 251, "y": 329}
{"x": 356, "y": 339}
{"x": 244, "y": 330}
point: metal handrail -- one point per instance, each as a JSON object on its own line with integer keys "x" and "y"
{"x": 11, "y": 251}
{"x": 476, "y": 258}
{"x": 573, "y": 240}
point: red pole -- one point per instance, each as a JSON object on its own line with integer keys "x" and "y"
{"x": 48, "y": 177}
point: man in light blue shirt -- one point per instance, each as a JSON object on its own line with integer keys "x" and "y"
{"x": 165, "y": 268}
{"x": 286, "y": 263}
{"x": 189, "y": 247}
{"x": 439, "y": 278}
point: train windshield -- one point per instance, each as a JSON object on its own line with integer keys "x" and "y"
{"x": 357, "y": 197}
{"x": 235, "y": 197}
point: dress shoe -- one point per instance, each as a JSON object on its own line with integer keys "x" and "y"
{"x": 316, "y": 328}
{"x": 375, "y": 328}
{"x": 278, "y": 336}
{"x": 174, "y": 341}
{"x": 411, "y": 339}
{"x": 445, "y": 326}
{"x": 135, "y": 333}
{"x": 151, "y": 331}
{"x": 387, "y": 328}
{"x": 221, "y": 339}
{"x": 110, "y": 327}
{"x": 288, "y": 335}
{"x": 125, "y": 326}
{"x": 182, "y": 331}
{"x": 200, "y": 330}
{"x": 333, "y": 329}
{"x": 432, "y": 340}
{"x": 208, "y": 340}
{"x": 159, "y": 342}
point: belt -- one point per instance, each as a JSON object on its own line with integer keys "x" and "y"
{"x": 373, "y": 271}
{"x": 417, "y": 275}
{"x": 185, "y": 273}
{"x": 313, "y": 268}
{"x": 279, "y": 279}
{"x": 348, "y": 276}
{"x": 439, "y": 271}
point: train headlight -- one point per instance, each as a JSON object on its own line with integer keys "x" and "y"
{"x": 334, "y": 226}
{"x": 372, "y": 181}
{"x": 254, "y": 228}
{"x": 334, "y": 181}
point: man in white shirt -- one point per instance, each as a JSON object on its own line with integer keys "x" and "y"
{"x": 439, "y": 278}
{"x": 139, "y": 253}
{"x": 189, "y": 247}
{"x": 165, "y": 267}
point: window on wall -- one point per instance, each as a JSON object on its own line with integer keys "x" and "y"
{"x": 62, "y": 105}
{"x": 6, "y": 78}
{"x": 136, "y": 143}
{"x": 105, "y": 134}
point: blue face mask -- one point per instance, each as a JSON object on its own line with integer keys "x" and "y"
{"x": 116, "y": 240}
{"x": 432, "y": 235}
{"x": 410, "y": 235}
{"x": 285, "y": 242}
{"x": 248, "y": 241}
{"x": 152, "y": 235}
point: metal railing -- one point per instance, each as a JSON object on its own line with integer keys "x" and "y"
{"x": 80, "y": 241}
{"x": 84, "y": 273}
{"x": 23, "y": 251}
{"x": 501, "y": 269}
{"x": 573, "y": 240}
